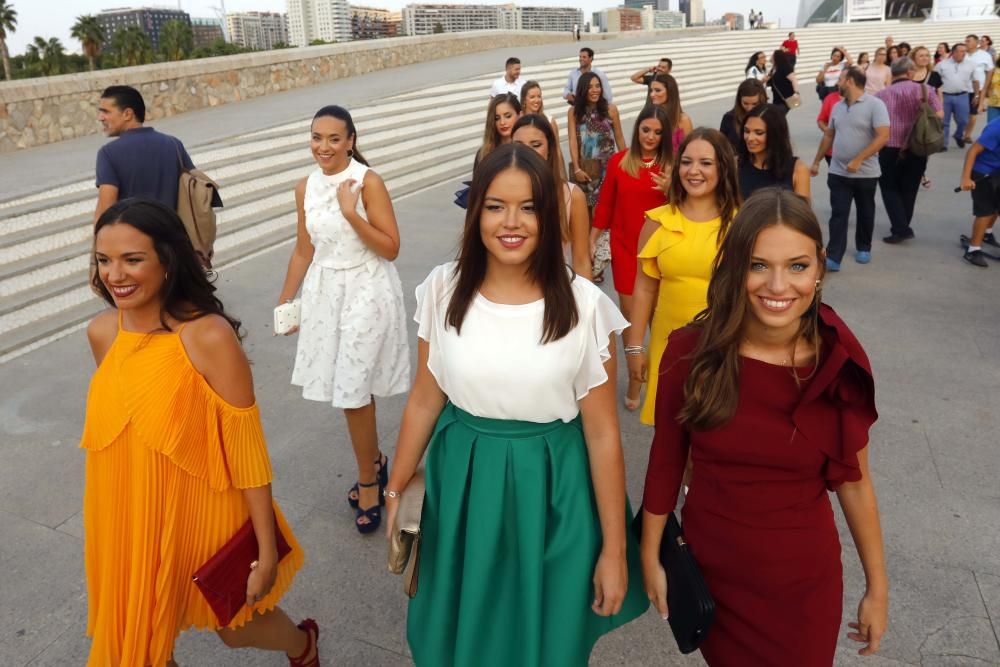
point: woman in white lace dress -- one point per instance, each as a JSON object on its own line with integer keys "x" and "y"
{"x": 352, "y": 338}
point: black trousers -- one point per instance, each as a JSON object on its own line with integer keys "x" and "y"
{"x": 900, "y": 182}
{"x": 843, "y": 191}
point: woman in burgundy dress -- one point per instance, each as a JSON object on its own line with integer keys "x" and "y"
{"x": 635, "y": 182}
{"x": 773, "y": 396}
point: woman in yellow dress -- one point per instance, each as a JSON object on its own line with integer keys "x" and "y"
{"x": 176, "y": 457}
{"x": 678, "y": 245}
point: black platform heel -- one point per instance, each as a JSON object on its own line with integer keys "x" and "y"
{"x": 373, "y": 514}
{"x": 383, "y": 481}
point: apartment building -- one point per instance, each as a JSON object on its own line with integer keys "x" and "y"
{"x": 328, "y": 20}
{"x": 207, "y": 31}
{"x": 258, "y": 30}
{"x": 373, "y": 23}
{"x": 658, "y": 19}
{"x": 150, "y": 19}
{"x": 426, "y": 19}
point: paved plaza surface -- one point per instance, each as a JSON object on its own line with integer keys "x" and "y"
{"x": 929, "y": 322}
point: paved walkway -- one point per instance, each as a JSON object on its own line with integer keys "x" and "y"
{"x": 928, "y": 321}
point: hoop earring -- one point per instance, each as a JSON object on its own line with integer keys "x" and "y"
{"x": 165, "y": 276}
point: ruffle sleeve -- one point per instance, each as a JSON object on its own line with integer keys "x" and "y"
{"x": 671, "y": 440}
{"x": 838, "y": 410}
{"x": 599, "y": 320}
{"x": 670, "y": 232}
{"x": 242, "y": 444}
{"x": 430, "y": 307}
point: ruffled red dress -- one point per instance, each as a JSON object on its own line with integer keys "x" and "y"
{"x": 758, "y": 516}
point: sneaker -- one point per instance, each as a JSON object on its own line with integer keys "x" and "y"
{"x": 832, "y": 265}
{"x": 863, "y": 257}
{"x": 989, "y": 239}
{"x": 976, "y": 258}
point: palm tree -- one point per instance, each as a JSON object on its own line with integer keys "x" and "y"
{"x": 8, "y": 23}
{"x": 176, "y": 40}
{"x": 48, "y": 52}
{"x": 91, "y": 35}
{"x": 132, "y": 46}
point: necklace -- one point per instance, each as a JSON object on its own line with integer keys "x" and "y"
{"x": 648, "y": 163}
{"x": 785, "y": 360}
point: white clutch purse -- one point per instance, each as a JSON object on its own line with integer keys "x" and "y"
{"x": 286, "y": 316}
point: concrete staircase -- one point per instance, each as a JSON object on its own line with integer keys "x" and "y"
{"x": 45, "y": 237}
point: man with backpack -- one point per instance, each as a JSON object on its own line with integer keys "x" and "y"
{"x": 903, "y": 160}
{"x": 142, "y": 162}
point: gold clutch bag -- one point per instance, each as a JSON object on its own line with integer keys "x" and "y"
{"x": 404, "y": 539}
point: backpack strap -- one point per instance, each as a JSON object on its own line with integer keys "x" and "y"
{"x": 180, "y": 159}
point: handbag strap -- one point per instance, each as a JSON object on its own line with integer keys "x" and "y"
{"x": 180, "y": 159}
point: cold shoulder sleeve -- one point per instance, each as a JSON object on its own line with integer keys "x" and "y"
{"x": 600, "y": 318}
{"x": 669, "y": 450}
{"x": 242, "y": 446}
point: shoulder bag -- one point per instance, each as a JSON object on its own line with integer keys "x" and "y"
{"x": 927, "y": 134}
{"x": 792, "y": 102}
{"x": 197, "y": 194}
{"x": 692, "y": 608}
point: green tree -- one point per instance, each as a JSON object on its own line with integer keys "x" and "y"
{"x": 91, "y": 36}
{"x": 49, "y": 53}
{"x": 8, "y": 24}
{"x": 132, "y": 46}
{"x": 438, "y": 29}
{"x": 176, "y": 40}
{"x": 319, "y": 42}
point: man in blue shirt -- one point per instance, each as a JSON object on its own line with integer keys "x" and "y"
{"x": 586, "y": 65}
{"x": 141, "y": 161}
{"x": 981, "y": 175}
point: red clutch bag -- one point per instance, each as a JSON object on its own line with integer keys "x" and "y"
{"x": 223, "y": 579}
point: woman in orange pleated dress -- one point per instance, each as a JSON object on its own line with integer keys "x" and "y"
{"x": 176, "y": 457}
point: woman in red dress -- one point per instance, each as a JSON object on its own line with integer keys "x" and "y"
{"x": 635, "y": 182}
{"x": 773, "y": 396}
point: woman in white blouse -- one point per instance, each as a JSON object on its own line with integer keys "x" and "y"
{"x": 524, "y": 559}
{"x": 757, "y": 67}
{"x": 829, "y": 74}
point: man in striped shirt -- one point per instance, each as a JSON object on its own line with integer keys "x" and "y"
{"x": 901, "y": 170}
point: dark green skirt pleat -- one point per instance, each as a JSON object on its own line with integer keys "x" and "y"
{"x": 511, "y": 536}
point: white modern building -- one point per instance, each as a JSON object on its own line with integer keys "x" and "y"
{"x": 328, "y": 20}
{"x": 659, "y": 19}
{"x": 824, "y": 11}
{"x": 427, "y": 19}
{"x": 258, "y": 30}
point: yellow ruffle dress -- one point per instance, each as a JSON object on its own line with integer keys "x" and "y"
{"x": 167, "y": 458}
{"x": 680, "y": 255}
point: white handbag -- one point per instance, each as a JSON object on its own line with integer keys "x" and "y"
{"x": 286, "y": 316}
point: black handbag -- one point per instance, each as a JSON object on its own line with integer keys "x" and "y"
{"x": 690, "y": 604}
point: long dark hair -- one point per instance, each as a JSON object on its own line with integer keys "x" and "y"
{"x": 542, "y": 124}
{"x": 778, "y": 158}
{"x": 580, "y": 100}
{"x": 782, "y": 62}
{"x": 186, "y": 293}
{"x": 753, "y": 61}
{"x": 546, "y": 267}
{"x": 340, "y": 113}
{"x": 748, "y": 88}
{"x": 727, "y": 191}
{"x": 491, "y": 138}
{"x": 632, "y": 161}
{"x": 712, "y": 388}
{"x": 673, "y": 105}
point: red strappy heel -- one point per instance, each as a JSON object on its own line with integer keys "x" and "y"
{"x": 312, "y": 630}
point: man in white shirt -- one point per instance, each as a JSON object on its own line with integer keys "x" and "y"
{"x": 984, "y": 72}
{"x": 586, "y": 65}
{"x": 957, "y": 79}
{"x": 511, "y": 80}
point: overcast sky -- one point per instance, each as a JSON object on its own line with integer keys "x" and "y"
{"x": 53, "y": 18}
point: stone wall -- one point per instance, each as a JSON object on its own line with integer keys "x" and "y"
{"x": 42, "y": 111}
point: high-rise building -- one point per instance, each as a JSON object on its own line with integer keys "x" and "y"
{"x": 328, "y": 20}
{"x": 207, "y": 31}
{"x": 622, "y": 19}
{"x": 373, "y": 23}
{"x": 150, "y": 19}
{"x": 659, "y": 5}
{"x": 657, "y": 19}
{"x": 694, "y": 11}
{"x": 733, "y": 20}
{"x": 258, "y": 30}
{"x": 426, "y": 19}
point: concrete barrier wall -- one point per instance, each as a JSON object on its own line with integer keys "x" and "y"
{"x": 47, "y": 110}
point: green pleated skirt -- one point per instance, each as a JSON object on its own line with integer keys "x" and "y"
{"x": 510, "y": 538}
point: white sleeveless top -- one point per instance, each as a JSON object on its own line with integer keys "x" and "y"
{"x": 498, "y": 368}
{"x": 337, "y": 245}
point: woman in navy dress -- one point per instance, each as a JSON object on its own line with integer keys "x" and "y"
{"x": 773, "y": 397}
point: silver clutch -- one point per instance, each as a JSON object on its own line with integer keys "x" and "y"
{"x": 286, "y": 316}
